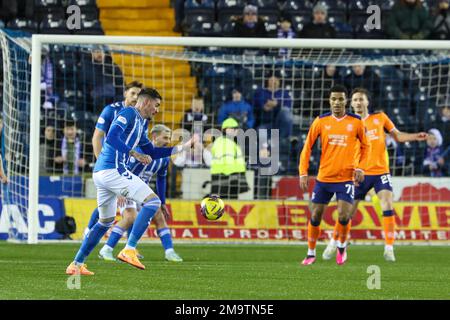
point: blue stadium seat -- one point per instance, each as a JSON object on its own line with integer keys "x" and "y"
{"x": 204, "y": 28}
{"x": 386, "y": 5}
{"x": 294, "y": 6}
{"x": 299, "y": 21}
{"x": 337, "y": 16}
{"x": 225, "y": 17}
{"x": 193, "y": 15}
{"x": 50, "y": 26}
{"x": 270, "y": 18}
{"x": 83, "y": 3}
{"x": 92, "y": 27}
{"x": 334, "y": 4}
{"x": 358, "y": 5}
{"x": 89, "y": 13}
{"x": 23, "y": 24}
{"x": 230, "y": 4}
{"x": 264, "y": 4}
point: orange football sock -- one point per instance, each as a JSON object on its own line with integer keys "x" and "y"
{"x": 313, "y": 235}
{"x": 343, "y": 231}
{"x": 389, "y": 230}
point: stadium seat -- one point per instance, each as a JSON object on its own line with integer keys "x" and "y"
{"x": 83, "y": 3}
{"x": 50, "y": 26}
{"x": 270, "y": 18}
{"x": 264, "y": 4}
{"x": 334, "y": 4}
{"x": 2, "y": 24}
{"x": 205, "y": 28}
{"x": 193, "y": 15}
{"x": 337, "y": 17}
{"x": 89, "y": 13}
{"x": 92, "y": 27}
{"x": 47, "y": 3}
{"x": 23, "y": 24}
{"x": 8, "y": 11}
{"x": 359, "y": 5}
{"x": 290, "y": 7}
{"x": 226, "y": 18}
{"x": 193, "y": 4}
{"x": 299, "y": 21}
{"x": 230, "y": 4}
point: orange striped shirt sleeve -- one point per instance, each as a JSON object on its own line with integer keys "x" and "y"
{"x": 313, "y": 134}
{"x": 365, "y": 148}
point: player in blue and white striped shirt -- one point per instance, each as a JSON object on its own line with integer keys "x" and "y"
{"x": 112, "y": 179}
{"x": 160, "y": 138}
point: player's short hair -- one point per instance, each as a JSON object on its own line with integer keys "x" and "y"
{"x": 150, "y": 93}
{"x": 338, "y": 88}
{"x": 362, "y": 91}
{"x": 159, "y": 128}
{"x": 134, "y": 84}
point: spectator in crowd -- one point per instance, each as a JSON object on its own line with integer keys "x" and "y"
{"x": 362, "y": 76}
{"x": 285, "y": 31}
{"x": 47, "y": 73}
{"x": 250, "y": 26}
{"x": 442, "y": 122}
{"x": 273, "y": 107}
{"x": 48, "y": 152}
{"x": 409, "y": 20}
{"x": 195, "y": 117}
{"x": 237, "y": 108}
{"x": 101, "y": 79}
{"x": 441, "y": 21}
{"x": 433, "y": 163}
{"x": 71, "y": 150}
{"x": 228, "y": 164}
{"x": 319, "y": 28}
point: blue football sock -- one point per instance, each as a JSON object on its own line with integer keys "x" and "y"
{"x": 166, "y": 238}
{"x": 94, "y": 218}
{"x": 115, "y": 236}
{"x": 91, "y": 240}
{"x": 142, "y": 221}
{"x": 129, "y": 230}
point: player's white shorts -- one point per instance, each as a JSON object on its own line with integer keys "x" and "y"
{"x": 110, "y": 184}
{"x": 130, "y": 204}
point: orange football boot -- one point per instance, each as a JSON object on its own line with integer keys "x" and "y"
{"x": 130, "y": 256}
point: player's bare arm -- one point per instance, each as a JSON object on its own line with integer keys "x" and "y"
{"x": 406, "y": 137}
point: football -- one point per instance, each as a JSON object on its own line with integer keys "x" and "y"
{"x": 212, "y": 207}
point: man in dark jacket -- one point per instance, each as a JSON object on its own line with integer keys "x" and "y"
{"x": 409, "y": 20}
{"x": 249, "y": 26}
{"x": 319, "y": 28}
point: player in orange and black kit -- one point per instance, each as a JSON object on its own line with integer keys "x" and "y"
{"x": 376, "y": 172}
{"x": 340, "y": 132}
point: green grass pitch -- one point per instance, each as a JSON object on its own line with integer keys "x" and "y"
{"x": 226, "y": 272}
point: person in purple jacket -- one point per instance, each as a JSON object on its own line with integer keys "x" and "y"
{"x": 238, "y": 109}
{"x": 273, "y": 107}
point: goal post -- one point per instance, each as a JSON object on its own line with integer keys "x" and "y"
{"x": 139, "y": 46}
